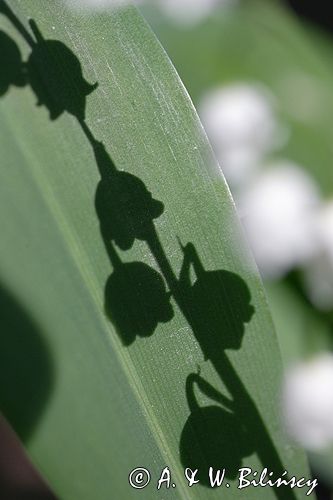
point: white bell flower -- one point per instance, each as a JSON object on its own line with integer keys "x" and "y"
{"x": 277, "y": 209}
{"x": 318, "y": 274}
{"x": 308, "y": 402}
{"x": 240, "y": 122}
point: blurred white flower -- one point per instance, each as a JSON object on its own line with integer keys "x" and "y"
{"x": 308, "y": 402}
{"x": 190, "y": 11}
{"x": 277, "y": 210}
{"x": 240, "y": 121}
{"x": 318, "y": 274}
{"x": 96, "y": 5}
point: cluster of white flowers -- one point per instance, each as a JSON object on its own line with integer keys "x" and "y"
{"x": 279, "y": 203}
{"x": 308, "y": 402}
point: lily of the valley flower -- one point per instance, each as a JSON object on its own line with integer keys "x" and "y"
{"x": 308, "y": 402}
{"x": 278, "y": 210}
{"x": 241, "y": 124}
{"x": 319, "y": 270}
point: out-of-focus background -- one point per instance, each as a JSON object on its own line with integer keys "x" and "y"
{"x": 260, "y": 73}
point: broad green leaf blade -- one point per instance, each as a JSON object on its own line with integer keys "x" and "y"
{"x": 93, "y": 236}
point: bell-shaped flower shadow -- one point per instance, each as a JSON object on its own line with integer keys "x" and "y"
{"x": 55, "y": 76}
{"x": 212, "y": 436}
{"x": 126, "y": 209}
{"x": 218, "y": 305}
{"x": 136, "y": 301}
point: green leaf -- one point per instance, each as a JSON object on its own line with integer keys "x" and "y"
{"x": 141, "y": 311}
